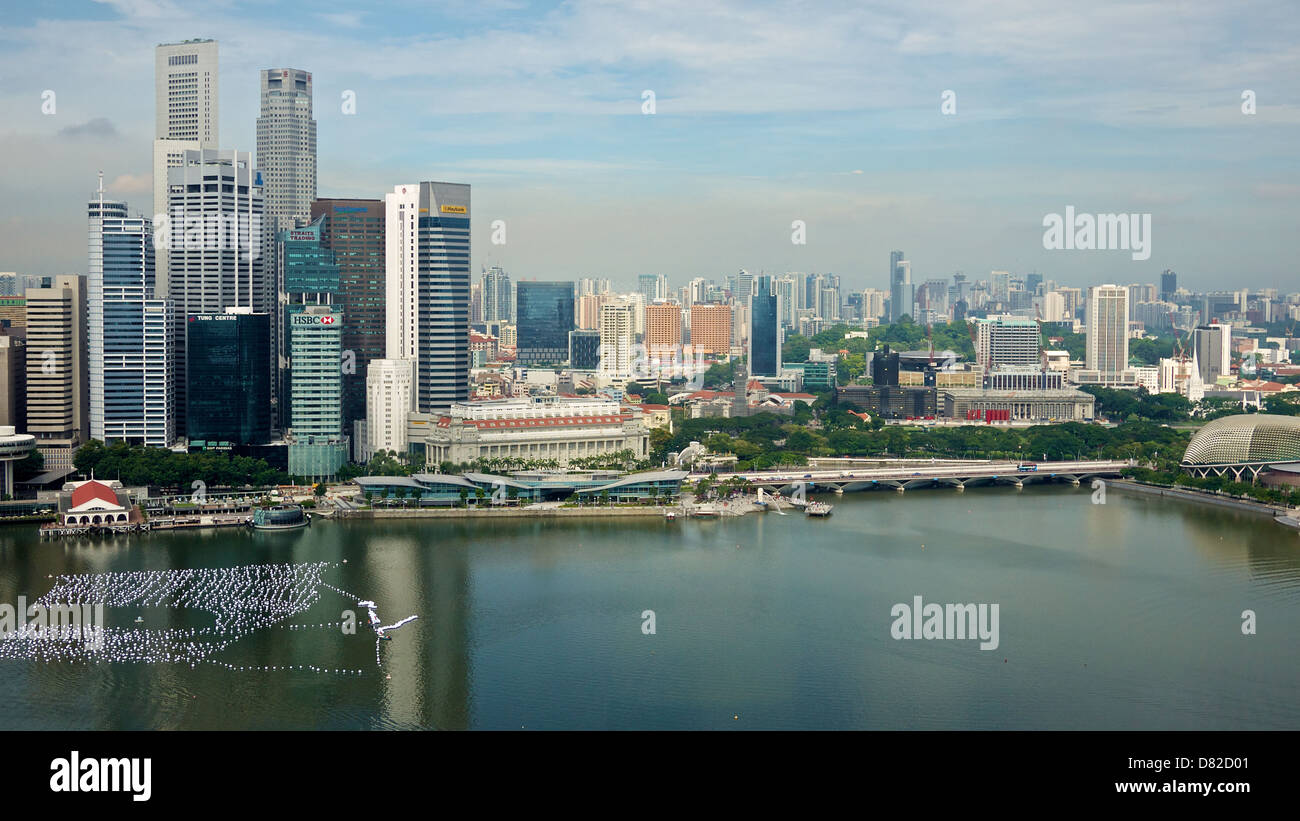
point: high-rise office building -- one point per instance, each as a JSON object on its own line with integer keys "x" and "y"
{"x": 1168, "y": 285}
{"x": 286, "y": 148}
{"x": 215, "y": 247}
{"x": 229, "y": 386}
{"x": 317, "y": 448}
{"x": 308, "y": 276}
{"x": 1107, "y": 346}
{"x": 58, "y": 407}
{"x": 652, "y": 286}
{"x": 901, "y": 292}
{"x": 544, "y": 317}
{"x": 130, "y": 335}
{"x": 1213, "y": 350}
{"x": 13, "y": 382}
{"x": 584, "y": 350}
{"x": 353, "y": 229}
{"x": 428, "y": 249}
{"x": 286, "y": 158}
{"x": 390, "y": 398}
{"x": 185, "y": 118}
{"x": 498, "y": 296}
{"x": 1001, "y": 341}
{"x": 744, "y": 287}
{"x": 185, "y": 91}
{"x": 764, "y": 330}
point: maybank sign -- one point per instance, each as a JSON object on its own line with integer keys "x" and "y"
{"x": 454, "y": 209}
{"x": 316, "y": 319}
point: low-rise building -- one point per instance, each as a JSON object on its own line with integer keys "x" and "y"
{"x": 549, "y": 428}
{"x": 1066, "y": 405}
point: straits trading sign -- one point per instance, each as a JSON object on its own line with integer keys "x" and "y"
{"x": 316, "y": 319}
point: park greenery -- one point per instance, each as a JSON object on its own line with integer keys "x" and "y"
{"x": 904, "y": 335}
{"x": 136, "y": 465}
{"x": 770, "y": 441}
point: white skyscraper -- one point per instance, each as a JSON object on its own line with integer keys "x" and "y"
{"x": 185, "y": 117}
{"x": 427, "y": 306}
{"x": 286, "y": 149}
{"x": 215, "y": 236}
{"x": 1108, "y": 331}
{"x": 617, "y": 321}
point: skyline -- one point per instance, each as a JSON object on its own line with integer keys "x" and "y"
{"x": 761, "y": 118}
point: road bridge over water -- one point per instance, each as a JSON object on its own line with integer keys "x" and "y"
{"x": 920, "y": 475}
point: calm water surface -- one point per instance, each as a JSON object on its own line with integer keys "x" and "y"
{"x": 1116, "y": 616}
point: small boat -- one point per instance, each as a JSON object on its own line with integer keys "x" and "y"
{"x": 139, "y": 619}
{"x": 670, "y": 514}
{"x": 817, "y": 509}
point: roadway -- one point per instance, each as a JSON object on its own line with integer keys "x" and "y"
{"x": 920, "y": 474}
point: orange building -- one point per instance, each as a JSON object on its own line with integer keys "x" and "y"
{"x": 663, "y": 327}
{"x": 711, "y": 329}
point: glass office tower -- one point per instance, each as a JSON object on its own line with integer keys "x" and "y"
{"x": 544, "y": 312}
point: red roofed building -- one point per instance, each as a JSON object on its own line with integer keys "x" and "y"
{"x": 95, "y": 503}
{"x": 557, "y": 428}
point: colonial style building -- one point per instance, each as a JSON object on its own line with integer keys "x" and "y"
{"x": 556, "y": 427}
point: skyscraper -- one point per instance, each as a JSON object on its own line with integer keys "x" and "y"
{"x": 1168, "y": 285}
{"x": 616, "y": 337}
{"x": 1213, "y": 350}
{"x": 308, "y": 276}
{"x": 545, "y": 317}
{"x": 214, "y": 235}
{"x": 318, "y": 448}
{"x": 353, "y": 229}
{"x": 1108, "y": 331}
{"x": 901, "y": 293}
{"x": 428, "y": 248}
{"x": 229, "y": 386}
{"x": 652, "y": 286}
{"x": 130, "y": 335}
{"x": 498, "y": 297}
{"x": 1007, "y": 341}
{"x": 764, "y": 330}
{"x": 185, "y": 117}
{"x": 286, "y": 148}
{"x": 286, "y": 158}
{"x": 58, "y": 413}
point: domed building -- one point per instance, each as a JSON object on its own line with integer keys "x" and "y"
{"x": 1243, "y": 445}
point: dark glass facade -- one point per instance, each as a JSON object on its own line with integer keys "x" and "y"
{"x": 545, "y": 317}
{"x": 229, "y": 391}
{"x": 353, "y": 229}
{"x": 765, "y": 331}
{"x": 584, "y": 350}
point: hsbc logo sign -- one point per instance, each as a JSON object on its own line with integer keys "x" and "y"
{"x": 314, "y": 319}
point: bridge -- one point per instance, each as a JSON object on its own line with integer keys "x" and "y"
{"x": 921, "y": 475}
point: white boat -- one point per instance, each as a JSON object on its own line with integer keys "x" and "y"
{"x": 817, "y": 509}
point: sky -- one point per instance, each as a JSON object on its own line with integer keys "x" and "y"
{"x": 827, "y": 113}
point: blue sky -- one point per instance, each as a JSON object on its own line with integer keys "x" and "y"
{"x": 824, "y": 112}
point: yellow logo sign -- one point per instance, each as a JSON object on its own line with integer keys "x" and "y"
{"x": 454, "y": 209}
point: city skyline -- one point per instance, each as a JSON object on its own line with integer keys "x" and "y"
{"x": 699, "y": 188}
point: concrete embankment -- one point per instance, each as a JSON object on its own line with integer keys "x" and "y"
{"x": 1203, "y": 498}
{"x": 511, "y": 513}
